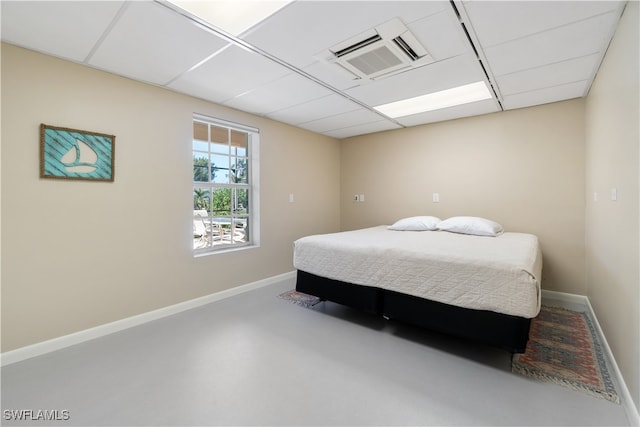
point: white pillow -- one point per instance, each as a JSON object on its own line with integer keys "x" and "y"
{"x": 471, "y": 225}
{"x": 416, "y": 223}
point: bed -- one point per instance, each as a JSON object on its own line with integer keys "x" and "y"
{"x": 484, "y": 288}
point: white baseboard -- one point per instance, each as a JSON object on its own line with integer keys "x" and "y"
{"x": 54, "y": 344}
{"x": 625, "y": 396}
{"x": 565, "y": 298}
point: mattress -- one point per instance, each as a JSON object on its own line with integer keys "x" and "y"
{"x": 500, "y": 274}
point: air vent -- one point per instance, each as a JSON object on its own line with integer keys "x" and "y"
{"x": 383, "y": 51}
{"x": 374, "y": 61}
{"x": 408, "y": 50}
{"x": 359, "y": 45}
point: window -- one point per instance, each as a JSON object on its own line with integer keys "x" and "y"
{"x": 224, "y": 194}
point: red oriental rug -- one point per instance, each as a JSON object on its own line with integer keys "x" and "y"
{"x": 564, "y": 348}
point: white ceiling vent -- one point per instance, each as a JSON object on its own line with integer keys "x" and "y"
{"x": 388, "y": 49}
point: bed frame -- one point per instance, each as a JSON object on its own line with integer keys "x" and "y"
{"x": 508, "y": 332}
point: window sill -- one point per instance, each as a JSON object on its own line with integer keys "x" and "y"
{"x": 200, "y": 254}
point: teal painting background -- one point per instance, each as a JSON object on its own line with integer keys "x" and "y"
{"x": 57, "y": 142}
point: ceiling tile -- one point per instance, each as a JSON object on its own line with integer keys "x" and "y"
{"x": 522, "y": 18}
{"x": 135, "y": 48}
{"x": 228, "y": 74}
{"x": 441, "y": 34}
{"x": 560, "y": 73}
{"x": 570, "y": 41}
{"x": 290, "y": 90}
{"x": 314, "y": 110}
{"x": 545, "y": 96}
{"x": 339, "y": 121}
{"x": 65, "y": 29}
{"x": 378, "y": 126}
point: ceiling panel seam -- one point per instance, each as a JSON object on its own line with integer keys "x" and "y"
{"x": 245, "y": 45}
{"x": 107, "y": 31}
{"x": 197, "y": 64}
{"x": 328, "y": 117}
{"x": 546, "y": 30}
{"x": 254, "y": 89}
{"x": 297, "y": 123}
{"x": 479, "y": 54}
{"x": 547, "y": 87}
{"x": 352, "y": 126}
{"x": 549, "y": 64}
{"x": 603, "y": 51}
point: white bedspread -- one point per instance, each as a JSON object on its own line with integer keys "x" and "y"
{"x": 500, "y": 274}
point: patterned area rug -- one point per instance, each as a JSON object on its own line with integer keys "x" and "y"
{"x": 563, "y": 348}
{"x": 299, "y": 298}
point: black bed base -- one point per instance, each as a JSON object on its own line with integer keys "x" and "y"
{"x": 510, "y": 333}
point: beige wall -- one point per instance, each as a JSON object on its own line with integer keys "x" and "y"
{"x": 522, "y": 168}
{"x": 80, "y": 254}
{"x": 613, "y": 227}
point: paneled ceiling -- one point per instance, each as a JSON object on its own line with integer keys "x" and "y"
{"x": 527, "y": 52}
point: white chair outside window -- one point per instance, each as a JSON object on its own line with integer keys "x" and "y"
{"x": 204, "y": 230}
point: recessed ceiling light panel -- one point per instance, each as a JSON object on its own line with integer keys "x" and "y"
{"x": 437, "y": 100}
{"x": 233, "y": 16}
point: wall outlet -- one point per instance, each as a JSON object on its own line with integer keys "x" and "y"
{"x": 436, "y": 198}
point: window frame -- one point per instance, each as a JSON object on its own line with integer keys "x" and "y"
{"x": 251, "y": 218}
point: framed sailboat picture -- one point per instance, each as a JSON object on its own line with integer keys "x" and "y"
{"x": 76, "y": 154}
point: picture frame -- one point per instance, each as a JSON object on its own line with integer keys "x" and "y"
{"x": 67, "y": 153}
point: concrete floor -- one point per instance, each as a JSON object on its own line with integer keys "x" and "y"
{"x": 255, "y": 359}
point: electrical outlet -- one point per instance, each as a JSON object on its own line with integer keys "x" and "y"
{"x": 436, "y": 198}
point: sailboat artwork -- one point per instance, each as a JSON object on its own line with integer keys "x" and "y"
{"x": 75, "y": 154}
{"x": 80, "y": 158}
